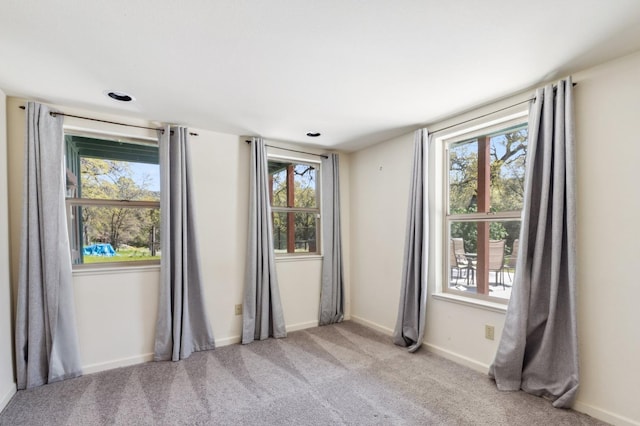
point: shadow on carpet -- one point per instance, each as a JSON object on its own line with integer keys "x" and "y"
{"x": 343, "y": 374}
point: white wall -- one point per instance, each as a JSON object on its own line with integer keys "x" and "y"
{"x": 116, "y": 311}
{"x": 7, "y": 382}
{"x": 608, "y": 154}
{"x": 379, "y": 198}
{"x": 221, "y": 181}
{"x": 299, "y": 283}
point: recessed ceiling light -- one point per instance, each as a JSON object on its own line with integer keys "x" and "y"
{"x": 120, "y": 96}
{"x": 313, "y": 134}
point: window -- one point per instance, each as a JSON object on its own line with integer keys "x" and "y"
{"x": 295, "y": 206}
{"x": 113, "y": 201}
{"x": 484, "y": 195}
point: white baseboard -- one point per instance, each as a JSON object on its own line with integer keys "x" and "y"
{"x": 373, "y": 325}
{"x": 7, "y": 395}
{"x": 457, "y": 358}
{"x": 604, "y": 415}
{"x": 237, "y": 339}
{"x": 302, "y": 325}
{"x": 139, "y": 359}
{"x": 117, "y": 363}
{"x": 468, "y": 362}
{"x": 228, "y": 341}
{"x": 595, "y": 412}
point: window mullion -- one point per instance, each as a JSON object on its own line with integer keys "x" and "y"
{"x": 484, "y": 201}
{"x": 489, "y": 216}
{"x": 111, "y": 203}
{"x": 291, "y": 216}
{"x": 295, "y": 209}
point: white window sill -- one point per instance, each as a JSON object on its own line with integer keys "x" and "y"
{"x": 115, "y": 269}
{"x": 300, "y": 258}
{"x": 475, "y": 303}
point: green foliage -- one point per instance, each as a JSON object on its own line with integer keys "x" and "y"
{"x": 114, "y": 180}
{"x": 507, "y": 152}
{"x": 468, "y": 231}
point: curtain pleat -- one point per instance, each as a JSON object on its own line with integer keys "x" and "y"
{"x": 538, "y": 350}
{"x": 262, "y": 315}
{"x": 182, "y": 326}
{"x": 332, "y": 281}
{"x": 46, "y": 337}
{"x": 410, "y": 325}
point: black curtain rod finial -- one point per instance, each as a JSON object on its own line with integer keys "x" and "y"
{"x": 190, "y": 133}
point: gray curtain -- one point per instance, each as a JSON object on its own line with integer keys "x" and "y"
{"x": 46, "y": 336}
{"x": 182, "y": 326}
{"x": 410, "y": 325}
{"x": 332, "y": 284}
{"x": 262, "y": 314}
{"x": 538, "y": 351}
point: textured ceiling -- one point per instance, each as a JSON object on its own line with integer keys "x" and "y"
{"x": 358, "y": 71}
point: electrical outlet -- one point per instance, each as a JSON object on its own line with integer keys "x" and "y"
{"x": 488, "y": 332}
{"x": 238, "y": 309}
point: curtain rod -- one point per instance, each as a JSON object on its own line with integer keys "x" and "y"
{"x": 53, "y": 114}
{"x": 293, "y": 150}
{"x": 478, "y": 117}
{"x": 487, "y": 114}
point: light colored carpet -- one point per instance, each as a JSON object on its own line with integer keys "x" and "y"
{"x": 333, "y": 375}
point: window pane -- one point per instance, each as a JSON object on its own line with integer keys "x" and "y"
{"x": 119, "y": 180}
{"x": 102, "y": 234}
{"x": 508, "y": 152}
{"x": 295, "y": 232}
{"x": 293, "y": 184}
{"x": 504, "y": 154}
{"x": 463, "y": 176}
{"x": 279, "y": 184}
{"x": 280, "y": 226}
{"x": 305, "y": 184}
{"x": 482, "y": 256}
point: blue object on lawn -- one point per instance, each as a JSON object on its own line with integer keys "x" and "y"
{"x": 99, "y": 250}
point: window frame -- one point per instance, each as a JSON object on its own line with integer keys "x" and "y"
{"x": 317, "y": 210}
{"x": 443, "y": 144}
{"x": 73, "y": 202}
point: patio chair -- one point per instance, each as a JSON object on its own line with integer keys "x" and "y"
{"x": 457, "y": 260}
{"x": 511, "y": 260}
{"x": 496, "y": 259}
